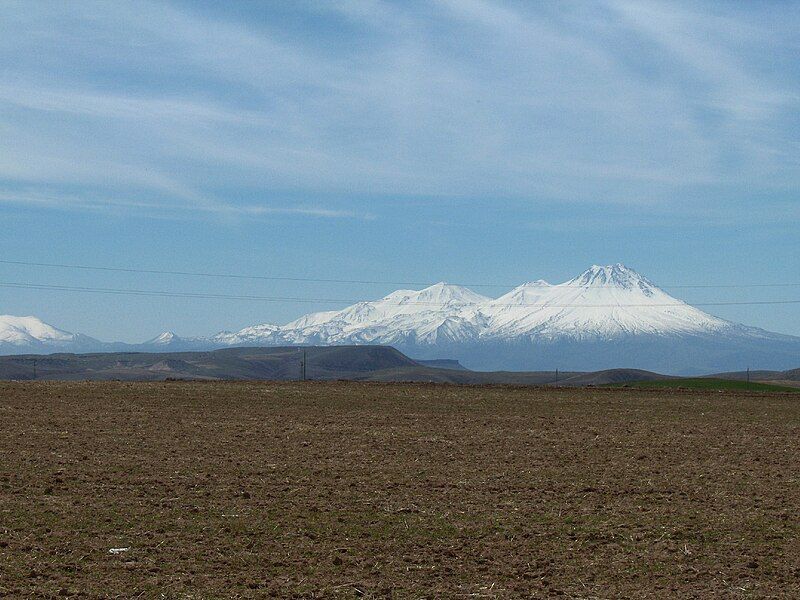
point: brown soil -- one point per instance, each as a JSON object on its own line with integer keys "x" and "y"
{"x": 251, "y": 490}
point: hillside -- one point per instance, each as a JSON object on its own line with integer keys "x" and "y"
{"x": 710, "y": 383}
{"x": 609, "y": 376}
{"x": 346, "y": 362}
{"x": 357, "y": 363}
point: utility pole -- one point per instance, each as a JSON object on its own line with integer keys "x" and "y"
{"x": 303, "y": 367}
{"x": 34, "y": 368}
{"x": 748, "y": 374}
{"x": 556, "y": 376}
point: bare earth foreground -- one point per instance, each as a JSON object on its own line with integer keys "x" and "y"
{"x": 252, "y": 490}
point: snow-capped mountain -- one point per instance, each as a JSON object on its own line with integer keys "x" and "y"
{"x": 29, "y": 334}
{"x": 25, "y": 330}
{"x": 601, "y": 303}
{"x": 441, "y": 312}
{"x": 257, "y": 335}
{"x": 164, "y": 339}
{"x": 608, "y": 316}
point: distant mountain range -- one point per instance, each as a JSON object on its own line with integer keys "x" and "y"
{"x": 354, "y": 363}
{"x": 609, "y": 316}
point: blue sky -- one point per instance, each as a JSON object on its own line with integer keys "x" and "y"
{"x": 459, "y": 140}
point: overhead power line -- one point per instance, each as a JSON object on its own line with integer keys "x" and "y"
{"x": 171, "y": 294}
{"x": 350, "y": 281}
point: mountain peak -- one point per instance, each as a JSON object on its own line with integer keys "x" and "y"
{"x": 617, "y": 276}
{"x": 538, "y": 283}
{"x": 526, "y": 294}
{"x": 447, "y": 293}
{"x": 165, "y": 338}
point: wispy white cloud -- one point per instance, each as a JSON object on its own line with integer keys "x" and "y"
{"x": 617, "y": 102}
{"x": 698, "y": 40}
{"x": 127, "y": 107}
{"x": 63, "y": 201}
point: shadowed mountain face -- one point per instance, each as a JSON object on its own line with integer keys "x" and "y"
{"x": 369, "y": 363}
{"x": 230, "y": 363}
{"x": 605, "y": 317}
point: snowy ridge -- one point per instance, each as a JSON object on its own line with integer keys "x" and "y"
{"x": 436, "y": 313}
{"x": 265, "y": 334}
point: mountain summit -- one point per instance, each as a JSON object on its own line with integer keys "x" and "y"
{"x": 618, "y": 276}
{"x": 608, "y": 316}
{"x": 447, "y": 294}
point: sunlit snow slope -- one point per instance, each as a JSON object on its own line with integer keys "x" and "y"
{"x": 602, "y": 302}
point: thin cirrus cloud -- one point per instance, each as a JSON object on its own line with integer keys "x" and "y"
{"x": 161, "y": 210}
{"x": 635, "y": 103}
